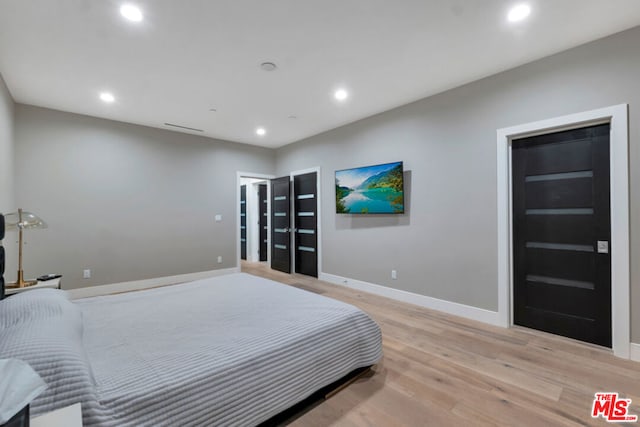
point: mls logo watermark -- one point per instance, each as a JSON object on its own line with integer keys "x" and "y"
{"x": 612, "y": 408}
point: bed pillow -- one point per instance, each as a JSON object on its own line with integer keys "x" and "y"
{"x": 43, "y": 328}
{"x": 33, "y": 304}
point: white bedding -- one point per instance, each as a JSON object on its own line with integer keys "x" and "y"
{"x": 231, "y": 350}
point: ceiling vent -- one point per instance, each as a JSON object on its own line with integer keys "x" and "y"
{"x": 183, "y": 127}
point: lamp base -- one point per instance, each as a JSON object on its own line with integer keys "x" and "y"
{"x": 24, "y": 284}
{"x": 21, "y": 283}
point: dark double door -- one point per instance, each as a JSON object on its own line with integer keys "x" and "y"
{"x": 280, "y": 224}
{"x": 262, "y": 221}
{"x": 303, "y": 222}
{"x": 306, "y": 223}
{"x": 243, "y": 222}
{"x": 561, "y": 233}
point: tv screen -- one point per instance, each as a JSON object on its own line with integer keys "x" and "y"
{"x": 377, "y": 189}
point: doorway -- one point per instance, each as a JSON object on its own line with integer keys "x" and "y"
{"x": 617, "y": 117}
{"x": 561, "y": 233}
{"x": 253, "y": 217}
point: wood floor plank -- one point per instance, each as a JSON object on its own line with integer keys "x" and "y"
{"x": 444, "y": 370}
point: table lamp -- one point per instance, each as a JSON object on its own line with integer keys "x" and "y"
{"x": 22, "y": 220}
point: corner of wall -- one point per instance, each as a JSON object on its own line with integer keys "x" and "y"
{"x": 7, "y": 148}
{"x": 7, "y": 172}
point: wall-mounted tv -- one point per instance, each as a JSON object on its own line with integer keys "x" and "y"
{"x": 377, "y": 189}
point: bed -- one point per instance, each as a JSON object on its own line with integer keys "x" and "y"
{"x": 230, "y": 350}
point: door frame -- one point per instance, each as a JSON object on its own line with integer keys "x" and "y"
{"x": 617, "y": 117}
{"x": 315, "y": 169}
{"x": 240, "y": 175}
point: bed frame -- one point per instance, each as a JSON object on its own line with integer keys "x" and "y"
{"x": 317, "y": 398}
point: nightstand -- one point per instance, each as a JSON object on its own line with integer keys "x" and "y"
{"x": 71, "y": 416}
{"x": 55, "y": 284}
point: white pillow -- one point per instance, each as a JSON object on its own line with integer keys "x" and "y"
{"x": 33, "y": 304}
{"x": 43, "y": 328}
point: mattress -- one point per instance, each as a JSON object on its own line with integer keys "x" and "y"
{"x": 231, "y": 350}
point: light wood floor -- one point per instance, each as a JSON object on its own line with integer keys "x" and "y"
{"x": 443, "y": 370}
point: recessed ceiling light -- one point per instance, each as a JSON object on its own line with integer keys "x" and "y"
{"x": 261, "y": 131}
{"x": 107, "y": 97}
{"x": 341, "y": 94}
{"x": 519, "y": 12}
{"x": 131, "y": 12}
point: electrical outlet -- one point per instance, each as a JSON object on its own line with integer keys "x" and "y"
{"x": 86, "y": 274}
{"x": 394, "y": 274}
{"x": 219, "y": 260}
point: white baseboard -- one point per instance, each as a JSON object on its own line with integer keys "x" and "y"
{"x": 634, "y": 353}
{"x": 137, "y": 285}
{"x": 467, "y": 311}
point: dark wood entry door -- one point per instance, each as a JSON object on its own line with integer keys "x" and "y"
{"x": 281, "y": 224}
{"x": 243, "y": 221}
{"x": 561, "y": 233}
{"x": 262, "y": 220}
{"x": 306, "y": 223}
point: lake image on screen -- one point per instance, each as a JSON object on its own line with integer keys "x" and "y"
{"x": 371, "y": 189}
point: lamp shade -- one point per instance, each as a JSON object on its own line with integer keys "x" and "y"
{"x": 29, "y": 221}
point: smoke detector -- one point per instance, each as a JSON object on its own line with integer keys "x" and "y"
{"x": 268, "y": 66}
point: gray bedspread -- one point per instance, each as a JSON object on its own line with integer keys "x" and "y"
{"x": 230, "y": 350}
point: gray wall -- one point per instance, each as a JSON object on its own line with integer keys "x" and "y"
{"x": 7, "y": 196}
{"x": 446, "y": 246}
{"x": 126, "y": 201}
{"x": 131, "y": 202}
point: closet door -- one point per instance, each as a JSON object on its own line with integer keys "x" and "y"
{"x": 305, "y": 204}
{"x": 280, "y": 224}
{"x": 243, "y": 222}
{"x": 262, "y": 220}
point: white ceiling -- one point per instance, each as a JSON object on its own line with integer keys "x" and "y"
{"x": 189, "y": 56}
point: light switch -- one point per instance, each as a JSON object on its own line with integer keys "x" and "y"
{"x": 218, "y": 218}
